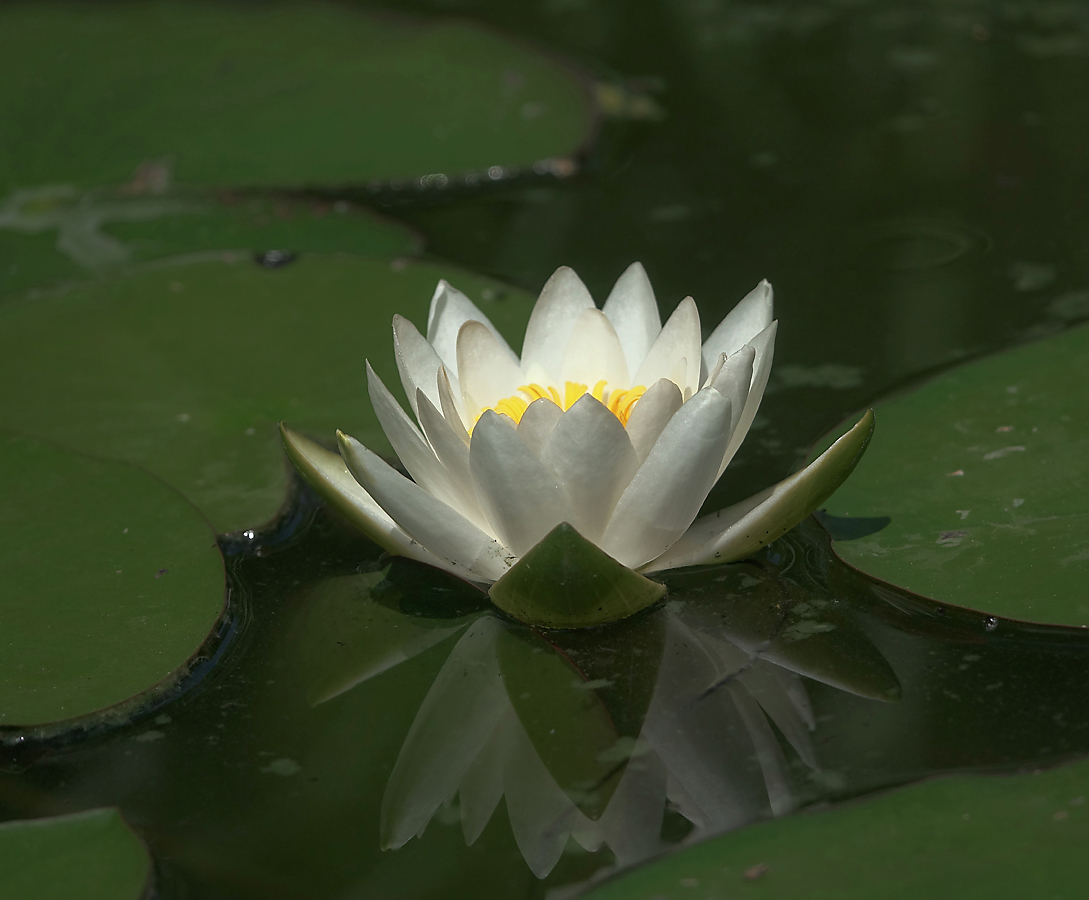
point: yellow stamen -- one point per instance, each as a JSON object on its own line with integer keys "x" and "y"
{"x": 619, "y": 402}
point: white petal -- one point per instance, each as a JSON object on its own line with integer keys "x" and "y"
{"x": 632, "y": 822}
{"x": 765, "y": 686}
{"x": 666, "y": 493}
{"x": 486, "y": 372}
{"x": 562, "y": 301}
{"x": 326, "y": 473}
{"x": 441, "y": 529}
{"x": 594, "y": 353}
{"x": 417, "y": 361}
{"x": 541, "y": 814}
{"x": 450, "y": 309}
{"x": 593, "y": 459}
{"x": 764, "y": 345}
{"x": 410, "y": 446}
{"x": 537, "y": 423}
{"x": 450, "y": 404}
{"x": 744, "y": 322}
{"x": 768, "y": 752}
{"x": 679, "y": 339}
{"x": 453, "y": 723}
{"x": 651, "y": 413}
{"x": 733, "y": 379}
{"x": 634, "y": 313}
{"x": 739, "y": 530}
{"x": 453, "y": 454}
{"x": 520, "y": 496}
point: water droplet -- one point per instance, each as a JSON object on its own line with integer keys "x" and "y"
{"x": 990, "y": 623}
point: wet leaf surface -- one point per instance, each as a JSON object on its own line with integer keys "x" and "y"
{"x": 112, "y": 581}
{"x": 92, "y": 855}
{"x": 289, "y": 96}
{"x": 194, "y": 363}
{"x": 983, "y": 473}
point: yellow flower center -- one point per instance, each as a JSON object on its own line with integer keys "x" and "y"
{"x": 619, "y": 402}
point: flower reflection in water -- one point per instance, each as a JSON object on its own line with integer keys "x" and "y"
{"x": 688, "y": 720}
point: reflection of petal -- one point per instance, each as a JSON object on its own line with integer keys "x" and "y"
{"x": 704, "y": 742}
{"x": 481, "y": 786}
{"x": 632, "y": 823}
{"x": 768, "y": 752}
{"x": 781, "y": 702}
{"x": 454, "y": 722}
{"x": 541, "y": 814}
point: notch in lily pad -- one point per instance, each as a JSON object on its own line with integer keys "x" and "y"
{"x": 568, "y": 582}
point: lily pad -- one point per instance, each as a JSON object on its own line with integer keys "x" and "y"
{"x": 984, "y": 476}
{"x": 274, "y": 95}
{"x": 92, "y": 855}
{"x": 970, "y": 837}
{"x": 194, "y": 363}
{"x": 57, "y": 234}
{"x": 110, "y": 580}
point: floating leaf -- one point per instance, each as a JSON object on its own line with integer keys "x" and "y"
{"x": 980, "y": 836}
{"x": 91, "y": 855}
{"x": 111, "y": 581}
{"x": 568, "y": 582}
{"x": 194, "y": 363}
{"x": 289, "y": 95}
{"x": 984, "y": 474}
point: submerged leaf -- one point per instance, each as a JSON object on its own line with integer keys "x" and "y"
{"x": 567, "y": 582}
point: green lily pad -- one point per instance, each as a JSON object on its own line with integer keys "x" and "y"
{"x": 92, "y": 855}
{"x": 194, "y": 363}
{"x": 273, "y": 95}
{"x": 110, "y": 580}
{"x": 568, "y": 582}
{"x": 984, "y": 475}
{"x": 965, "y": 837}
{"x": 55, "y": 234}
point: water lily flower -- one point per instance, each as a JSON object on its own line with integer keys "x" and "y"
{"x": 591, "y": 452}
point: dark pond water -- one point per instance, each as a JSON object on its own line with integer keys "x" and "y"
{"x": 911, "y": 177}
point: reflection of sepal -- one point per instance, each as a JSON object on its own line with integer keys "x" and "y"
{"x": 584, "y": 740}
{"x": 348, "y": 637}
{"x": 566, "y": 581}
{"x": 802, "y": 631}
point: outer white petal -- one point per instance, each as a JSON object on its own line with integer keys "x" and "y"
{"x": 486, "y": 372}
{"x": 326, "y": 473}
{"x": 450, "y": 404}
{"x": 666, "y": 493}
{"x": 739, "y": 530}
{"x": 453, "y": 724}
{"x": 412, "y": 449}
{"x": 679, "y": 339}
{"x": 650, "y": 415}
{"x": 562, "y": 301}
{"x": 453, "y": 454}
{"x": 520, "y": 496}
{"x": 594, "y": 353}
{"x": 443, "y": 530}
{"x": 417, "y": 362}
{"x": 745, "y": 321}
{"x": 763, "y": 681}
{"x": 632, "y": 309}
{"x": 537, "y": 423}
{"x": 764, "y": 345}
{"x": 593, "y": 459}
{"x": 733, "y": 379}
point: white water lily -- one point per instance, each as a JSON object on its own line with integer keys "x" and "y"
{"x": 608, "y": 421}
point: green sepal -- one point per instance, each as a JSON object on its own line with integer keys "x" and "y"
{"x": 568, "y": 582}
